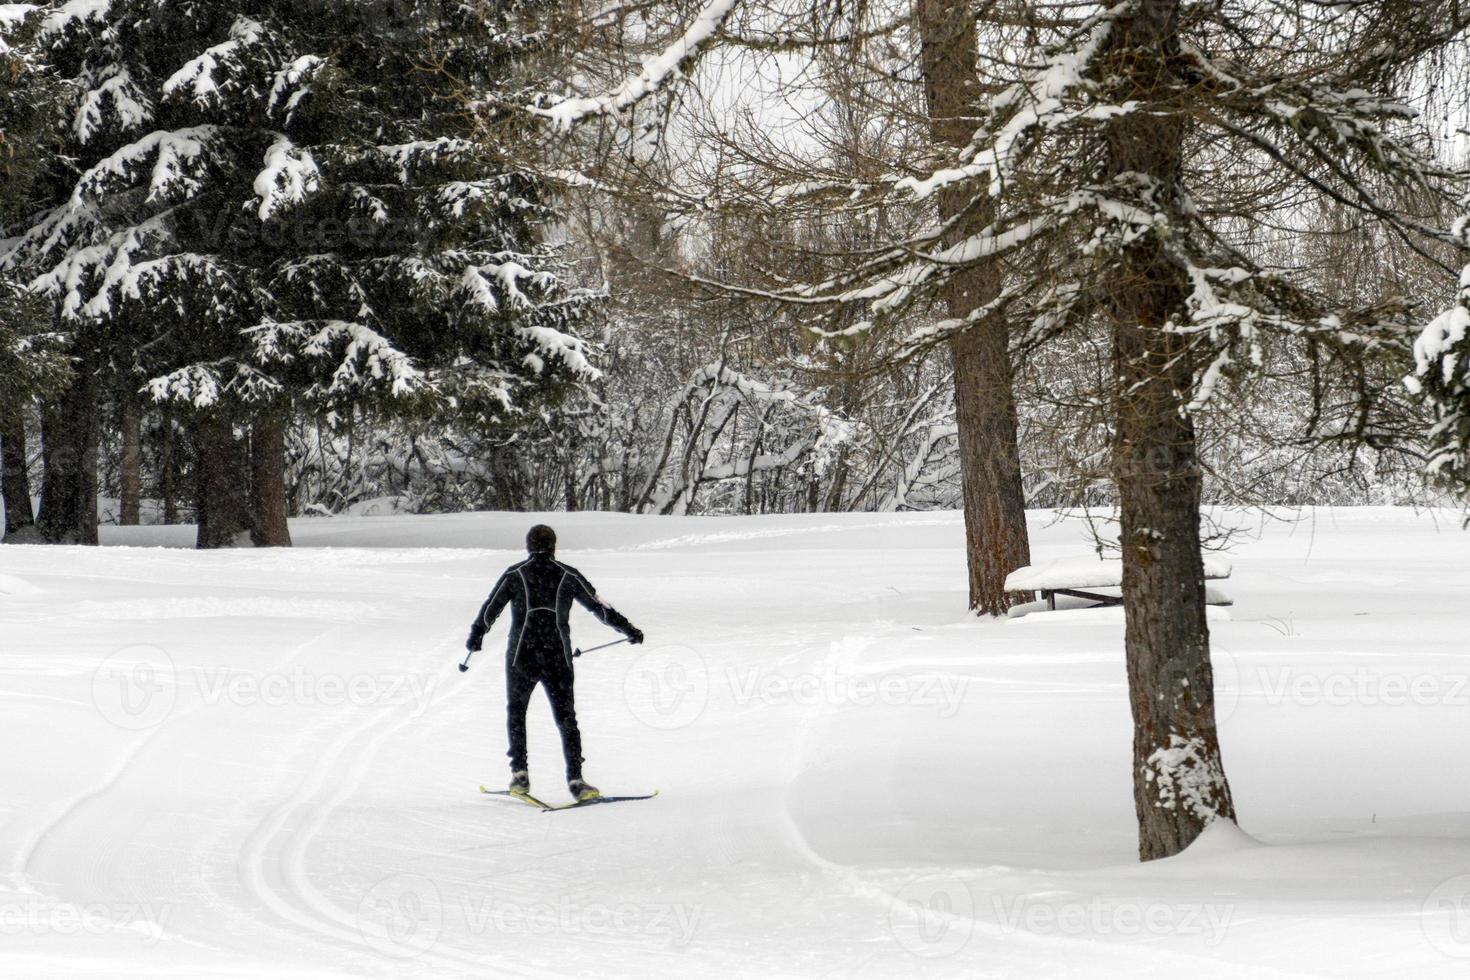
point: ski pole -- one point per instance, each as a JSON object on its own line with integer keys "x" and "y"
{"x": 464, "y": 664}
{"x": 578, "y": 653}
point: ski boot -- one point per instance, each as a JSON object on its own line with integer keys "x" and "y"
{"x": 582, "y": 791}
{"x": 520, "y": 783}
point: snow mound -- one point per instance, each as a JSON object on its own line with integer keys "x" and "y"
{"x": 377, "y": 507}
{"x": 11, "y": 585}
{"x": 1220, "y": 837}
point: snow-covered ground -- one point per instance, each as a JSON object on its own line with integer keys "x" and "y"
{"x": 265, "y": 763}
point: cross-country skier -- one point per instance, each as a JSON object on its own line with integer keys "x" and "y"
{"x": 540, "y": 591}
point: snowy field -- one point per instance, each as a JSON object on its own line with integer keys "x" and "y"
{"x": 266, "y": 763}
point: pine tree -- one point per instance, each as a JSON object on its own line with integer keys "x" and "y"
{"x": 272, "y": 207}
{"x": 33, "y": 364}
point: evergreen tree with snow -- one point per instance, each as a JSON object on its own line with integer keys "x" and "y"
{"x": 1441, "y": 378}
{"x": 33, "y": 361}
{"x": 272, "y": 207}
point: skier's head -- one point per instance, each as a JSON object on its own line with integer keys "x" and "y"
{"x": 541, "y": 539}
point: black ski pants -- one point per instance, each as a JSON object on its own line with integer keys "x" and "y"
{"x": 545, "y": 665}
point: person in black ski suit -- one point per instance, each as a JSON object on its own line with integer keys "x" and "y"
{"x": 540, "y": 592}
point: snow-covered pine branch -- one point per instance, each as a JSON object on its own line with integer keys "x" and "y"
{"x": 1441, "y": 378}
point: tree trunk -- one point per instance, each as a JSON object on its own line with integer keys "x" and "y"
{"x": 1179, "y": 782}
{"x": 130, "y": 476}
{"x": 996, "y": 541}
{"x": 990, "y": 466}
{"x": 221, "y": 506}
{"x": 569, "y": 477}
{"x": 268, "y": 511}
{"x": 168, "y": 470}
{"x": 69, "y": 436}
{"x": 15, "y": 480}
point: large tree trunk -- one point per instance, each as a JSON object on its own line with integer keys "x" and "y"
{"x": 985, "y": 405}
{"x": 130, "y": 476}
{"x": 222, "y": 506}
{"x": 69, "y": 436}
{"x": 1179, "y": 782}
{"x": 268, "y": 511}
{"x": 15, "y": 480}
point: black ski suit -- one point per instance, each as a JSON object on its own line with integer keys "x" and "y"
{"x": 540, "y": 591}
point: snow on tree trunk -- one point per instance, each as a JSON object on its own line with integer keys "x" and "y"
{"x": 1178, "y": 779}
{"x": 222, "y": 503}
{"x": 1179, "y": 783}
{"x": 268, "y": 511}
{"x": 996, "y": 541}
{"x": 15, "y": 481}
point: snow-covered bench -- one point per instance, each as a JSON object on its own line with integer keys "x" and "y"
{"x": 1082, "y": 577}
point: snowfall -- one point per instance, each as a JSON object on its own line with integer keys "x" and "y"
{"x": 266, "y": 763}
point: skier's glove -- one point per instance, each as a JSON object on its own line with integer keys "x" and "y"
{"x": 472, "y": 646}
{"x": 635, "y": 635}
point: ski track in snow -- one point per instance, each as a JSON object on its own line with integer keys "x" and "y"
{"x": 343, "y": 763}
{"x": 26, "y": 855}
